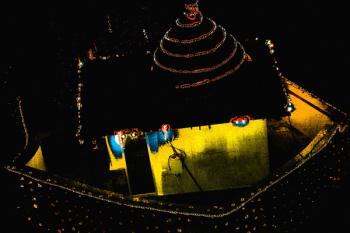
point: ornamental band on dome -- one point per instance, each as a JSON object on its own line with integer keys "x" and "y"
{"x": 175, "y": 48}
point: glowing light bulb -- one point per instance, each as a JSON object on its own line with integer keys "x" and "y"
{"x": 290, "y": 107}
{"x": 80, "y": 64}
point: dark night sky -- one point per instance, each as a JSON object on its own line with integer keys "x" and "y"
{"x": 310, "y": 36}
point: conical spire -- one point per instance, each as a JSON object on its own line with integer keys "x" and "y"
{"x": 196, "y": 51}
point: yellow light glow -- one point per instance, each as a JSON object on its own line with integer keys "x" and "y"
{"x": 37, "y": 161}
{"x": 219, "y": 157}
{"x": 306, "y": 118}
{"x": 116, "y": 164}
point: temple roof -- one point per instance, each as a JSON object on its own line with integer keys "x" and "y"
{"x": 197, "y": 50}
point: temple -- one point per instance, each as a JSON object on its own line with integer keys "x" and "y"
{"x": 195, "y": 58}
{"x": 200, "y": 133}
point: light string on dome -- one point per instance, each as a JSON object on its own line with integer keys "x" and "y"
{"x": 207, "y": 81}
{"x": 200, "y": 70}
{"x": 190, "y": 25}
{"x": 201, "y": 53}
{"x": 195, "y": 39}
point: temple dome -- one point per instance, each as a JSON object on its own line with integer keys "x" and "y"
{"x": 197, "y": 51}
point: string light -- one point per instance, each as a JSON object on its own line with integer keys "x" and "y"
{"x": 192, "y": 40}
{"x": 289, "y": 107}
{"x": 201, "y": 53}
{"x": 145, "y": 34}
{"x": 216, "y": 78}
{"x": 142, "y": 204}
{"x": 238, "y": 222}
{"x": 192, "y": 10}
{"x": 79, "y": 102}
{"x": 26, "y": 135}
{"x": 109, "y": 25}
{"x": 207, "y": 81}
{"x": 200, "y": 70}
{"x": 192, "y": 24}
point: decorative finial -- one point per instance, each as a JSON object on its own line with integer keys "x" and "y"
{"x": 192, "y": 10}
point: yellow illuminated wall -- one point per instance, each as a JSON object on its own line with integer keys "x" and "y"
{"x": 115, "y": 164}
{"x": 37, "y": 161}
{"x": 306, "y": 118}
{"x": 219, "y": 157}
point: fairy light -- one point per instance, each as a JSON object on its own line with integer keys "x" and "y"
{"x": 214, "y": 79}
{"x": 23, "y": 123}
{"x": 253, "y": 216}
{"x": 207, "y": 81}
{"x": 109, "y": 24}
{"x": 142, "y": 204}
{"x": 201, "y": 53}
{"x": 145, "y": 34}
{"x": 78, "y": 100}
{"x": 192, "y": 24}
{"x": 192, "y": 14}
{"x": 200, "y": 70}
{"x": 192, "y": 10}
{"x": 289, "y": 107}
{"x": 192, "y": 40}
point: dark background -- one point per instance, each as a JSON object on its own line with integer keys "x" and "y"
{"x": 39, "y": 40}
{"x": 310, "y": 37}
